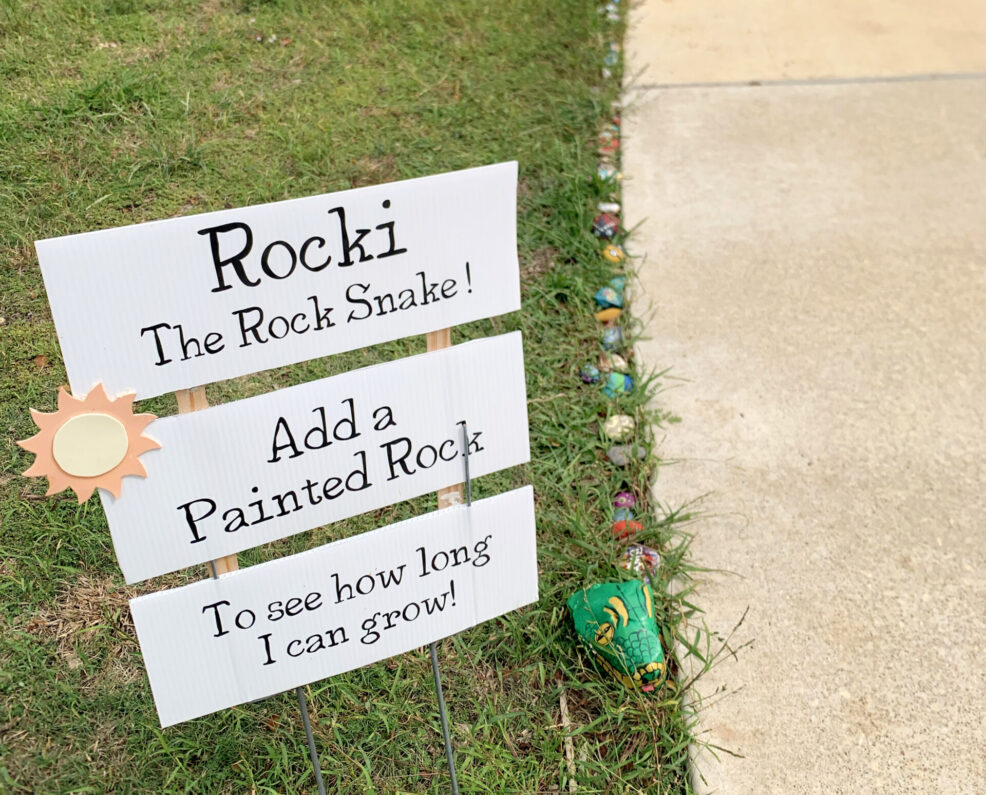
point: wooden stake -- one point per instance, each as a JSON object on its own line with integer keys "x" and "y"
{"x": 450, "y": 495}
{"x": 194, "y": 400}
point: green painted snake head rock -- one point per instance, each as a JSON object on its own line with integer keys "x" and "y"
{"x": 615, "y": 621}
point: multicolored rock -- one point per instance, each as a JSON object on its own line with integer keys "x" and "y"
{"x": 642, "y": 561}
{"x": 608, "y": 172}
{"x": 608, "y": 296}
{"x": 590, "y": 374}
{"x": 617, "y": 384}
{"x": 613, "y": 338}
{"x": 616, "y": 624}
{"x": 606, "y": 225}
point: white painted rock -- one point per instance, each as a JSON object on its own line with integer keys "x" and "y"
{"x": 619, "y": 427}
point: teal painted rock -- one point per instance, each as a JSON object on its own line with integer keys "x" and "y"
{"x": 607, "y": 296}
{"x": 617, "y": 384}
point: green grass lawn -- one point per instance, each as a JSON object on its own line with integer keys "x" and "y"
{"x": 118, "y": 111}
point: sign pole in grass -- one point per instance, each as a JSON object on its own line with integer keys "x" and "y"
{"x": 452, "y": 495}
{"x": 312, "y": 750}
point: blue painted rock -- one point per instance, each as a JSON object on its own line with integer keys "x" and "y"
{"x": 618, "y": 283}
{"x": 622, "y": 514}
{"x": 612, "y": 338}
{"x": 590, "y": 374}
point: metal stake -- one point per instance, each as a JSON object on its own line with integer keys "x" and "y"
{"x": 312, "y": 750}
{"x": 303, "y": 704}
{"x": 433, "y": 649}
{"x": 450, "y": 758}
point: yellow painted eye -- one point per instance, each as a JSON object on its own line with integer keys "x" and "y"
{"x": 605, "y": 634}
{"x": 620, "y": 608}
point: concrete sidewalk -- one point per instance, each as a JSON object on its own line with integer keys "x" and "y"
{"x": 816, "y": 261}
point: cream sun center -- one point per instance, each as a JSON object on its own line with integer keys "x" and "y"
{"x": 89, "y": 445}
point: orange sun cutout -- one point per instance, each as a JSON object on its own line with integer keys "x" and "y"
{"x": 89, "y": 442}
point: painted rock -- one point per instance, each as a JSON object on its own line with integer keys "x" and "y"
{"x": 612, "y": 338}
{"x": 610, "y": 147}
{"x": 622, "y": 515}
{"x": 608, "y": 315}
{"x": 625, "y": 528}
{"x": 615, "y": 622}
{"x": 618, "y": 283}
{"x": 612, "y": 362}
{"x": 619, "y": 427}
{"x": 607, "y": 173}
{"x": 642, "y": 561}
{"x": 624, "y": 499}
{"x": 621, "y": 454}
{"x": 605, "y": 225}
{"x": 590, "y": 374}
{"x": 608, "y": 296}
{"x": 612, "y": 58}
{"x": 617, "y": 384}
{"x": 608, "y": 207}
{"x": 614, "y": 253}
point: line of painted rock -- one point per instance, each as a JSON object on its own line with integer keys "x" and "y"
{"x": 615, "y": 621}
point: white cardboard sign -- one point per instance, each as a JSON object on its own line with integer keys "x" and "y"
{"x": 272, "y": 627}
{"x": 252, "y": 471}
{"x": 174, "y": 304}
